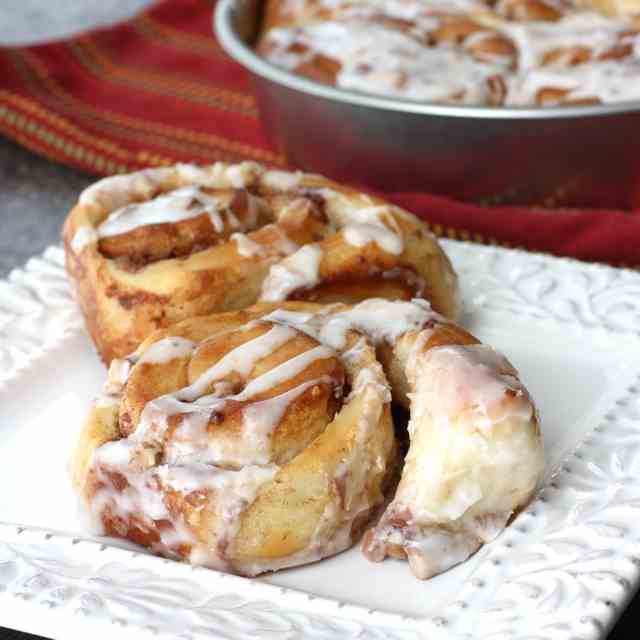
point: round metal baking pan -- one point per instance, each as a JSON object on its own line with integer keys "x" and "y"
{"x": 572, "y": 155}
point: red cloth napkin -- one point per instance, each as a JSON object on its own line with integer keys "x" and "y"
{"x": 159, "y": 89}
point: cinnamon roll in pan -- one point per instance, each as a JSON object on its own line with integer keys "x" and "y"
{"x": 148, "y": 249}
{"x": 475, "y": 52}
{"x": 254, "y": 440}
{"x": 564, "y": 155}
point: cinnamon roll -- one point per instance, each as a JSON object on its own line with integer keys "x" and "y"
{"x": 475, "y": 52}
{"x": 475, "y": 454}
{"x": 239, "y": 443}
{"x": 151, "y": 248}
{"x": 260, "y": 439}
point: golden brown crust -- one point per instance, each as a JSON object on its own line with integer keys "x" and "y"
{"x": 131, "y": 283}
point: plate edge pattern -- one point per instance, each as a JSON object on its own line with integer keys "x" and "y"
{"x": 37, "y": 312}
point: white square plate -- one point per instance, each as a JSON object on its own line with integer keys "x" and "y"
{"x": 563, "y": 569}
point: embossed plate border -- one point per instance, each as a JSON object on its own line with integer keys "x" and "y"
{"x": 536, "y": 582}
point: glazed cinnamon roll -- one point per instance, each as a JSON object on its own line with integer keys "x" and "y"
{"x": 475, "y": 52}
{"x": 239, "y": 443}
{"x": 475, "y": 455}
{"x": 260, "y": 439}
{"x": 151, "y": 248}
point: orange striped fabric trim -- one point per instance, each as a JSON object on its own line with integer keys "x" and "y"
{"x": 95, "y": 59}
{"x": 45, "y": 141}
{"x": 151, "y": 29}
{"x": 63, "y": 125}
{"x": 178, "y": 139}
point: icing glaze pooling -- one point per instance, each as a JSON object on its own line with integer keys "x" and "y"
{"x": 475, "y": 456}
{"x": 486, "y": 389}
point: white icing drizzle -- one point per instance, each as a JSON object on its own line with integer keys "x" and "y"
{"x": 371, "y": 376}
{"x": 403, "y": 9}
{"x": 301, "y": 321}
{"x": 608, "y": 81}
{"x": 381, "y": 320}
{"x": 180, "y": 204}
{"x": 368, "y": 226}
{"x": 463, "y": 458}
{"x": 475, "y": 455}
{"x": 243, "y": 174}
{"x": 84, "y": 236}
{"x": 285, "y": 371}
{"x": 261, "y": 418}
{"x": 192, "y": 441}
{"x": 191, "y": 401}
{"x": 298, "y": 271}
{"x": 436, "y": 551}
{"x": 242, "y": 359}
{"x": 116, "y": 191}
{"x": 246, "y": 247}
{"x": 116, "y": 454}
{"x": 167, "y": 349}
{"x": 377, "y": 58}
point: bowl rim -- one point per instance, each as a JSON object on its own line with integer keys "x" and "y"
{"x": 235, "y": 47}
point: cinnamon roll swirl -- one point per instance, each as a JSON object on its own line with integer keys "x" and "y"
{"x": 149, "y": 249}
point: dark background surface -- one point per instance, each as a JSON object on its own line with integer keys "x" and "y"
{"x": 35, "y": 196}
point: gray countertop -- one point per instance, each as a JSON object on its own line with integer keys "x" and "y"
{"x": 35, "y": 197}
